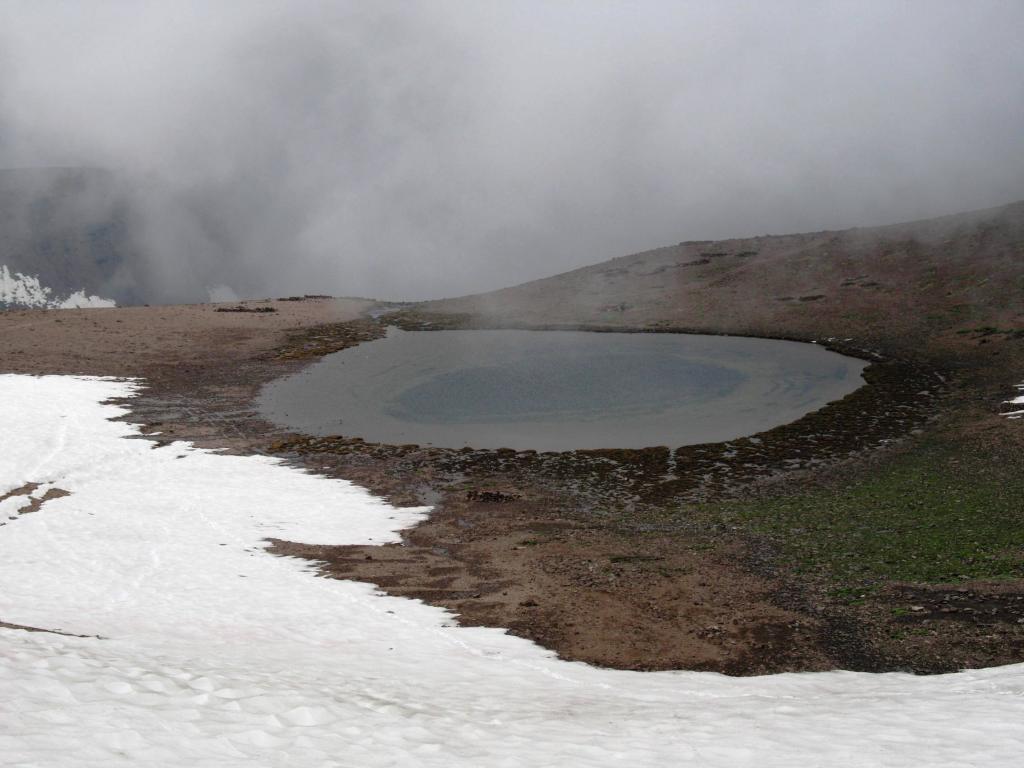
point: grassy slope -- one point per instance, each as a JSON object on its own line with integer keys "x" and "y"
{"x": 934, "y": 514}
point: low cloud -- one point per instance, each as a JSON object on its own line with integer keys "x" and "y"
{"x": 416, "y": 150}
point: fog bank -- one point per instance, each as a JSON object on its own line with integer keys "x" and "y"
{"x": 417, "y": 150}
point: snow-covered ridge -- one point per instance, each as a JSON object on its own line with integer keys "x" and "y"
{"x": 20, "y": 290}
{"x": 211, "y": 652}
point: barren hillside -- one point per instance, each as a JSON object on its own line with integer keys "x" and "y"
{"x": 907, "y": 284}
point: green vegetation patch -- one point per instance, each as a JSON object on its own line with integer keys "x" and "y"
{"x": 940, "y": 514}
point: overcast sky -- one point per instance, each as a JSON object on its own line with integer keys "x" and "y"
{"x": 414, "y": 150}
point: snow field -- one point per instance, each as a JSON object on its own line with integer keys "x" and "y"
{"x": 211, "y": 652}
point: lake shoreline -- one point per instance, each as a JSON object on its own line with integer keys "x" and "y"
{"x": 511, "y": 534}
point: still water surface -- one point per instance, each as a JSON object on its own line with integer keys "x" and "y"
{"x": 559, "y": 390}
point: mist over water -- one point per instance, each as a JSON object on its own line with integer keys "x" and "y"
{"x": 416, "y": 150}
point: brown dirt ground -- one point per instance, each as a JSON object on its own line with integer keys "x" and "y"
{"x": 133, "y": 341}
{"x": 631, "y": 602}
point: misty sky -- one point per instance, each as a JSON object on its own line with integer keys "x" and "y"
{"x": 415, "y": 150}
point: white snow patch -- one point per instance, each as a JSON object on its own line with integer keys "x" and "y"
{"x": 79, "y": 300}
{"x": 17, "y": 289}
{"x": 214, "y": 653}
{"x": 1019, "y": 400}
